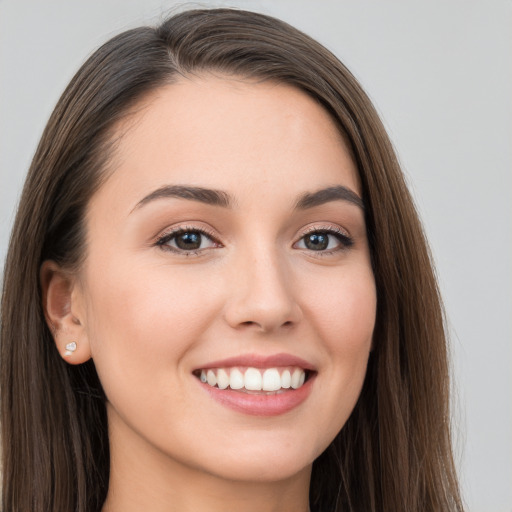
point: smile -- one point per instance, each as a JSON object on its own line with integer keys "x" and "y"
{"x": 251, "y": 380}
{"x": 258, "y": 385}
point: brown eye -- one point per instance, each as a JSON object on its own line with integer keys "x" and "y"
{"x": 324, "y": 241}
{"x": 186, "y": 241}
{"x": 317, "y": 241}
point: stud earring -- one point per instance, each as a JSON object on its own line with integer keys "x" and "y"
{"x": 70, "y": 348}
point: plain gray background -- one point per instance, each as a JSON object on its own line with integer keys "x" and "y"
{"x": 440, "y": 74}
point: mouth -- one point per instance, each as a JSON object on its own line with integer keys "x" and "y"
{"x": 258, "y": 385}
{"x": 251, "y": 380}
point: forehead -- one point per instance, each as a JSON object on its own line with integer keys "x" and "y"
{"x": 229, "y": 133}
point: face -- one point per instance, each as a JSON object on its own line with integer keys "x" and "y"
{"x": 227, "y": 252}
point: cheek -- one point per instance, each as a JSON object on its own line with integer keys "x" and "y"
{"x": 344, "y": 311}
{"x": 344, "y": 316}
{"x": 141, "y": 323}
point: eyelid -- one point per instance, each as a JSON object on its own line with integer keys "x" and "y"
{"x": 334, "y": 228}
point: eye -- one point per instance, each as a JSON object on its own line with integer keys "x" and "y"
{"x": 187, "y": 241}
{"x": 327, "y": 240}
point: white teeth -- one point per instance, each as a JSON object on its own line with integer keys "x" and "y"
{"x": 286, "y": 379}
{"x": 254, "y": 379}
{"x": 271, "y": 380}
{"x": 222, "y": 379}
{"x": 296, "y": 376}
{"x": 210, "y": 378}
{"x": 236, "y": 379}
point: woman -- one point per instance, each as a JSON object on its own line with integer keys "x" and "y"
{"x": 218, "y": 295}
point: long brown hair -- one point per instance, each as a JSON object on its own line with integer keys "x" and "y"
{"x": 394, "y": 453}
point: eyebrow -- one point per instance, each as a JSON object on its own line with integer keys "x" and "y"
{"x": 326, "y": 195}
{"x": 203, "y": 195}
{"x": 220, "y": 198}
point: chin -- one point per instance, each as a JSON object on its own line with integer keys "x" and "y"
{"x": 262, "y": 462}
{"x": 265, "y": 470}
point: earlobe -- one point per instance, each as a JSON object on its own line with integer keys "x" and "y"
{"x": 63, "y": 313}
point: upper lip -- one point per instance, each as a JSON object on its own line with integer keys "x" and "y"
{"x": 260, "y": 361}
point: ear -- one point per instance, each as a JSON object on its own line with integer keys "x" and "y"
{"x": 64, "y": 312}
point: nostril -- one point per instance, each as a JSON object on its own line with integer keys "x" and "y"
{"x": 250, "y": 323}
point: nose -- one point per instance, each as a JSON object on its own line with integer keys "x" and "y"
{"x": 261, "y": 294}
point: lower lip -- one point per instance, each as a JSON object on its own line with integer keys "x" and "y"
{"x": 261, "y": 405}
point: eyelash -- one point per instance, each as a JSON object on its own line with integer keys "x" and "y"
{"x": 343, "y": 238}
{"x": 163, "y": 240}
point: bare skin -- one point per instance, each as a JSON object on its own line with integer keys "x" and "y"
{"x": 263, "y": 274}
